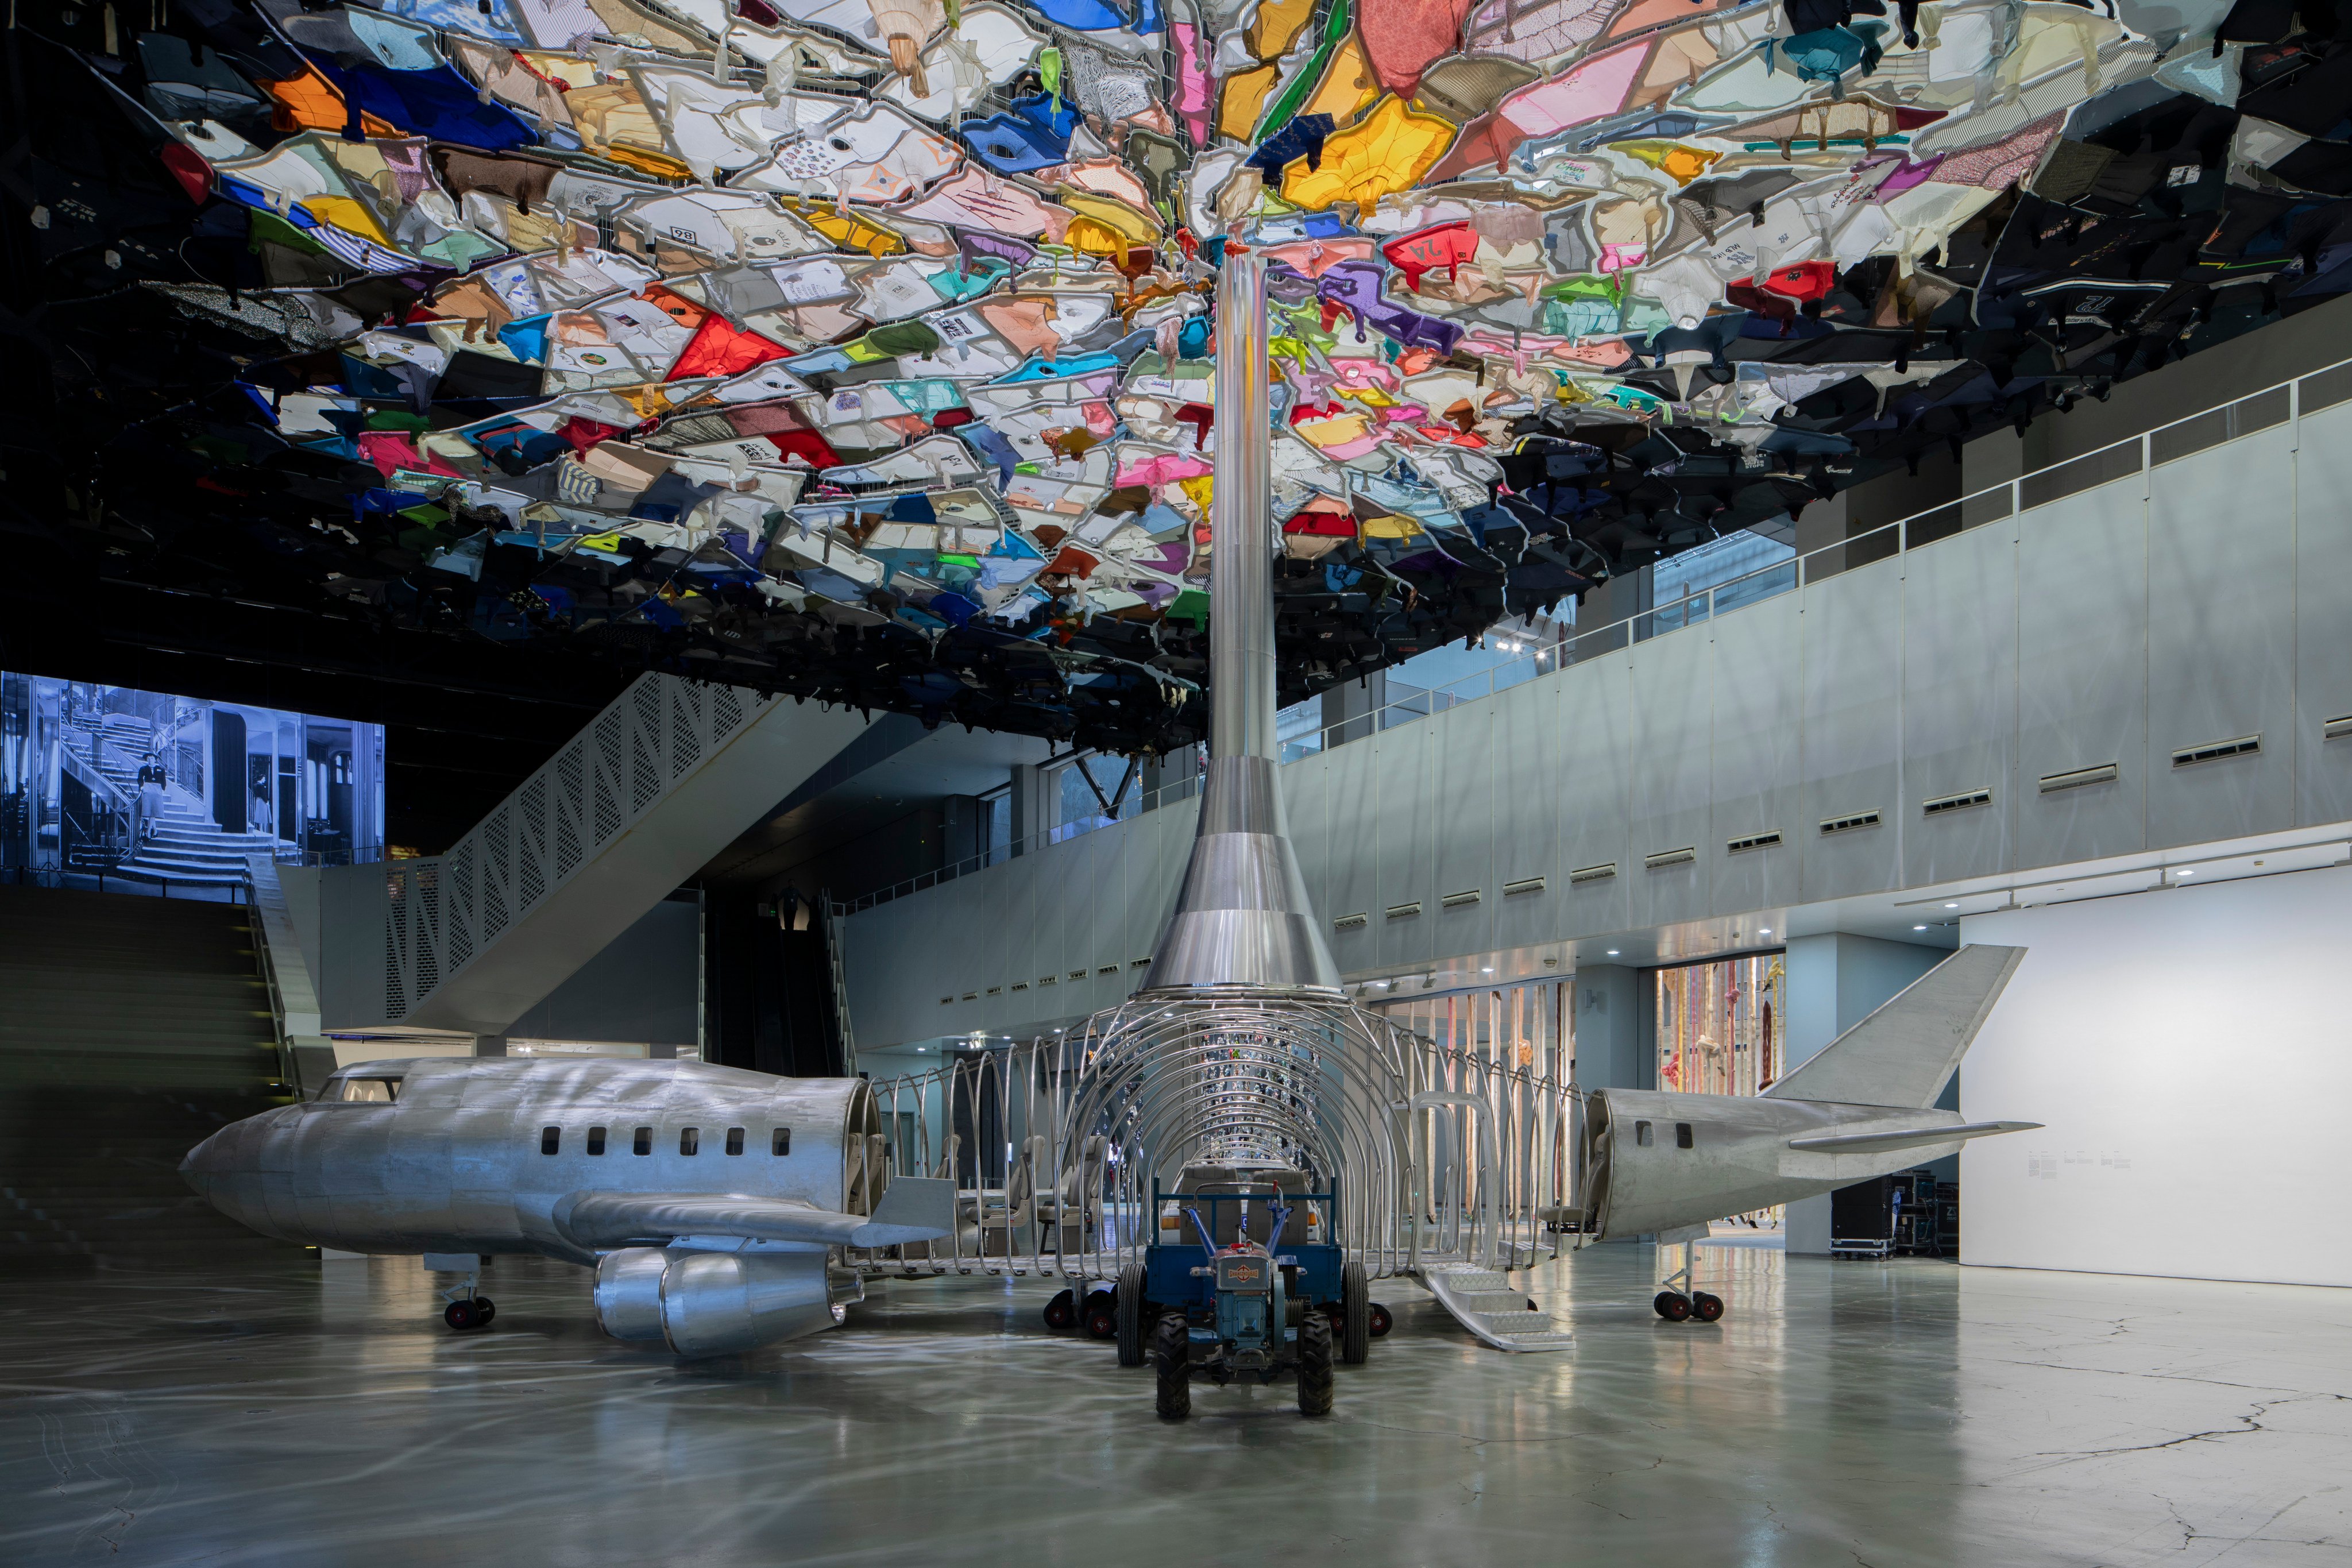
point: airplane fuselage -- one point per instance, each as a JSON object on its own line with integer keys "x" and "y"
{"x": 455, "y": 1155}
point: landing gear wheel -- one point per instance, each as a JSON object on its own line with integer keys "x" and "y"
{"x": 1707, "y": 1308}
{"x": 1673, "y": 1306}
{"x": 1130, "y": 1296}
{"x": 461, "y": 1316}
{"x": 1382, "y": 1322}
{"x": 1062, "y": 1311}
{"x": 484, "y": 1310}
{"x": 1315, "y": 1365}
{"x": 1355, "y": 1315}
{"x": 1172, "y": 1352}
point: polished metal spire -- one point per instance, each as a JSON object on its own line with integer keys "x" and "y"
{"x": 1241, "y": 918}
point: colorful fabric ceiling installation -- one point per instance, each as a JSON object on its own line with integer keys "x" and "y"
{"x": 858, "y": 349}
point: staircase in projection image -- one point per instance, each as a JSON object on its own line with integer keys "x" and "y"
{"x": 183, "y": 846}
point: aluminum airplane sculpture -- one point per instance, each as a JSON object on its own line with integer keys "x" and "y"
{"x": 710, "y": 1202}
{"x": 1665, "y": 1164}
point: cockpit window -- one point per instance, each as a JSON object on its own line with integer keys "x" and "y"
{"x": 370, "y": 1090}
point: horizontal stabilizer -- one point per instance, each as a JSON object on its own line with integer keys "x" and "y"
{"x": 617, "y": 1219}
{"x": 1905, "y": 1138}
{"x": 1904, "y": 1053}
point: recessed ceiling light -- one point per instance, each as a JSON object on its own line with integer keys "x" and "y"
{"x": 2189, "y": 873}
{"x": 1951, "y": 906}
{"x": 1919, "y": 928}
{"x": 1612, "y": 952}
{"x": 1487, "y": 971}
{"x": 1763, "y": 930}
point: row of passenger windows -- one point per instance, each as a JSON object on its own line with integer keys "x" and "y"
{"x": 690, "y": 1141}
{"x": 1682, "y": 1134}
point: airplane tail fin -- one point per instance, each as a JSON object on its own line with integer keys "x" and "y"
{"x": 1904, "y": 1053}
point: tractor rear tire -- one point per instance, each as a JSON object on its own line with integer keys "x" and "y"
{"x": 1172, "y": 1350}
{"x": 1355, "y": 1315}
{"x": 1315, "y": 1365}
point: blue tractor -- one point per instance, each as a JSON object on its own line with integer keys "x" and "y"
{"x": 1246, "y": 1279}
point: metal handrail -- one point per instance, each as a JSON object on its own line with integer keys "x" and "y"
{"x": 2147, "y": 451}
{"x": 265, "y": 961}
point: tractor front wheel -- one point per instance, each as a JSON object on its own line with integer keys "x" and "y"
{"x": 1132, "y": 1347}
{"x": 1315, "y": 1365}
{"x": 1172, "y": 1352}
{"x": 1355, "y": 1315}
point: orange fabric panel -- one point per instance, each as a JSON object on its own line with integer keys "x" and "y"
{"x": 309, "y": 103}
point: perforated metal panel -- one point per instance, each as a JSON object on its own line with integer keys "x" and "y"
{"x": 443, "y": 913}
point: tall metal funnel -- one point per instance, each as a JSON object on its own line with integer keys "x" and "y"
{"x": 1241, "y": 918}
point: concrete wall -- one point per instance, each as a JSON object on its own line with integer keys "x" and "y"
{"x": 1836, "y": 981}
{"x": 2110, "y": 626}
{"x": 2186, "y": 1049}
{"x": 645, "y": 987}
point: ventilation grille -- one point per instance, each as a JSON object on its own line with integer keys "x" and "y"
{"x": 1463, "y": 900}
{"x": 1046, "y": 980}
{"x": 1741, "y": 846}
{"x": 1849, "y": 822}
{"x": 1021, "y": 985}
{"x": 996, "y": 991}
{"x": 1960, "y": 801}
{"x": 971, "y": 996}
{"x": 2214, "y": 751}
{"x": 1077, "y": 975}
{"x": 1592, "y": 873}
{"x": 2336, "y": 728}
{"x": 1107, "y": 969}
{"x": 1350, "y": 922}
{"x": 1666, "y": 858}
{"x": 947, "y": 1001}
{"x": 1143, "y": 962}
{"x": 1404, "y": 911}
{"x": 2103, "y": 773}
{"x": 1524, "y": 885}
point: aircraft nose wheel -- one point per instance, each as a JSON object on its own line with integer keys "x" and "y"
{"x": 1707, "y": 1308}
{"x": 1673, "y": 1306}
{"x": 474, "y": 1312}
{"x": 1062, "y": 1311}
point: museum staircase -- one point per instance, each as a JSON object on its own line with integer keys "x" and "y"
{"x": 133, "y": 1027}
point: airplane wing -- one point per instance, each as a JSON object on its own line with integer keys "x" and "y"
{"x": 1905, "y": 1138}
{"x": 913, "y": 1209}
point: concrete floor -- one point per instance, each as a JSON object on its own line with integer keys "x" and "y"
{"x": 1907, "y": 1414}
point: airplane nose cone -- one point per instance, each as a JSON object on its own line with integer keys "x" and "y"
{"x": 208, "y": 1164}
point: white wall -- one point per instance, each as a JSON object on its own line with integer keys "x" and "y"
{"x": 2188, "y": 1050}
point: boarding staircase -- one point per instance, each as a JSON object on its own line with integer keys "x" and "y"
{"x": 1498, "y": 1311}
{"x": 187, "y": 847}
{"x": 133, "y": 1028}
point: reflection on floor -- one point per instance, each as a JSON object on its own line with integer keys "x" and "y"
{"x": 1909, "y": 1412}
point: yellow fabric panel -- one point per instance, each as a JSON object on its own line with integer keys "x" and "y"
{"x": 348, "y": 216}
{"x": 1244, "y": 101}
{"x": 1135, "y": 226}
{"x": 1277, "y": 26}
{"x": 1388, "y": 152}
{"x": 1347, "y": 88}
{"x": 1391, "y": 525}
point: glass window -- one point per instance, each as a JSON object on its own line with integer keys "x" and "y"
{"x": 690, "y": 1139}
{"x": 551, "y": 1140}
{"x": 1641, "y": 1133}
{"x": 644, "y": 1141}
{"x": 734, "y": 1140}
{"x": 370, "y": 1090}
{"x": 780, "y": 1143}
{"x": 1682, "y": 1134}
{"x": 595, "y": 1140}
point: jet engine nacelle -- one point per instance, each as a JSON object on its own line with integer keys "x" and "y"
{"x": 713, "y": 1303}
